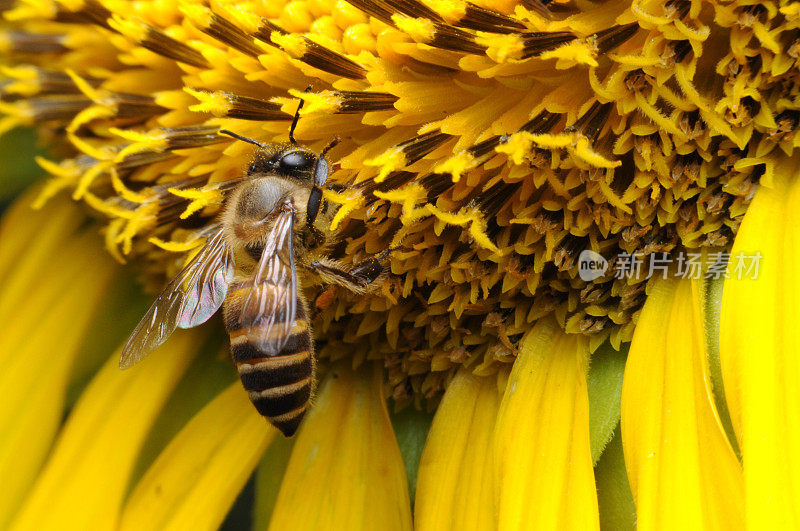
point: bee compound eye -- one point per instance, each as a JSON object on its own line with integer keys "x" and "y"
{"x": 296, "y": 164}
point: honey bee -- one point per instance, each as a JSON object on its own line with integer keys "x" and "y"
{"x": 269, "y": 227}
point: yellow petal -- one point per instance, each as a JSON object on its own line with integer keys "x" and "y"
{"x": 83, "y": 483}
{"x": 345, "y": 471}
{"x": 681, "y": 467}
{"x": 455, "y": 479}
{"x": 760, "y": 352}
{"x": 544, "y": 460}
{"x": 195, "y": 480}
{"x": 33, "y": 382}
{"x": 71, "y": 279}
{"x": 209, "y": 375}
{"x": 29, "y": 240}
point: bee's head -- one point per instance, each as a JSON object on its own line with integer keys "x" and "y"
{"x": 294, "y": 162}
{"x": 318, "y": 177}
{"x": 288, "y": 160}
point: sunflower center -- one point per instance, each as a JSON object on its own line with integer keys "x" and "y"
{"x": 517, "y": 159}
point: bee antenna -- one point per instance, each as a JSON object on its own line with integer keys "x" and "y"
{"x": 297, "y": 117}
{"x": 330, "y": 145}
{"x": 240, "y": 137}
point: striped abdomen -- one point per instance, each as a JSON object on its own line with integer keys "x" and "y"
{"x": 279, "y": 385}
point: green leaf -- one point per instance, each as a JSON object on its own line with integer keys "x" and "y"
{"x": 19, "y": 170}
{"x": 269, "y": 477}
{"x": 411, "y": 428}
{"x": 606, "y": 369}
{"x": 614, "y": 498}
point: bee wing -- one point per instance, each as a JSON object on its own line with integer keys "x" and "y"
{"x": 269, "y": 311}
{"x": 190, "y": 299}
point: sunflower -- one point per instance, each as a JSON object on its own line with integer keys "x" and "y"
{"x": 586, "y": 212}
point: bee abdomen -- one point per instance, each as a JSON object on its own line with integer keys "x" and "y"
{"x": 275, "y": 401}
{"x": 280, "y": 385}
{"x": 277, "y": 371}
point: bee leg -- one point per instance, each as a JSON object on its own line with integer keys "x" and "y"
{"x": 360, "y": 279}
{"x": 370, "y": 269}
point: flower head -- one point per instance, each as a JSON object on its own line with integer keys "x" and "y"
{"x": 485, "y": 147}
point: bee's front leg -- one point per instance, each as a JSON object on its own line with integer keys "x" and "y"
{"x": 362, "y": 278}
